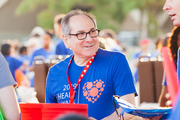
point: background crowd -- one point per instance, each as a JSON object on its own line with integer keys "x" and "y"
{"x": 48, "y": 45}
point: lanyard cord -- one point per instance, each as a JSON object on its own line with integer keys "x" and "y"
{"x": 121, "y": 115}
{"x": 72, "y": 92}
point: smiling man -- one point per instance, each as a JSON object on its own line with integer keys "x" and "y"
{"x": 91, "y": 75}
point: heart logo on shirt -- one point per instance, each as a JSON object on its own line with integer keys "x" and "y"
{"x": 92, "y": 90}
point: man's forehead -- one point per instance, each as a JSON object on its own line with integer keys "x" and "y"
{"x": 80, "y": 20}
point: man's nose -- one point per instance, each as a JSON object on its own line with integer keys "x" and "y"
{"x": 88, "y": 37}
{"x": 166, "y": 6}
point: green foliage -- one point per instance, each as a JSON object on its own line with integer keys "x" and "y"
{"x": 27, "y": 6}
{"x": 45, "y": 19}
{"x": 109, "y": 13}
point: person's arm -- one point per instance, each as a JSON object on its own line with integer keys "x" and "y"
{"x": 9, "y": 104}
{"x": 129, "y": 98}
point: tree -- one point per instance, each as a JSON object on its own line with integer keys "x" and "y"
{"x": 152, "y": 8}
{"x": 109, "y": 13}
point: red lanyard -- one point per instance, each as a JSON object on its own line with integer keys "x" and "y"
{"x": 72, "y": 92}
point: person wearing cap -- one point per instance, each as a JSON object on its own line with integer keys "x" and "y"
{"x": 45, "y": 52}
{"x": 143, "y": 52}
{"x": 35, "y": 40}
{"x": 91, "y": 75}
{"x": 60, "y": 47}
{"x": 8, "y": 102}
{"x": 173, "y": 10}
{"x": 37, "y": 32}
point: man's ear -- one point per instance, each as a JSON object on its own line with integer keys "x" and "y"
{"x": 66, "y": 41}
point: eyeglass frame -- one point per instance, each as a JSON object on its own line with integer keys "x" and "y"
{"x": 86, "y": 34}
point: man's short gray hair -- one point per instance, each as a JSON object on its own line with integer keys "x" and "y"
{"x": 65, "y": 27}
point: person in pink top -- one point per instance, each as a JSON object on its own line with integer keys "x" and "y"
{"x": 173, "y": 10}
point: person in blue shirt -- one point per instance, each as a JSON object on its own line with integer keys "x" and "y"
{"x": 24, "y": 57}
{"x": 13, "y": 62}
{"x": 23, "y": 53}
{"x": 91, "y": 75}
{"x": 45, "y": 51}
{"x": 142, "y": 53}
{"x": 173, "y": 10}
{"x": 60, "y": 48}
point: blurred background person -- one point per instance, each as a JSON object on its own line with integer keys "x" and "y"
{"x": 13, "y": 62}
{"x": 110, "y": 40}
{"x": 173, "y": 45}
{"x": 45, "y": 52}
{"x": 60, "y": 48}
{"x": 107, "y": 33}
{"x": 158, "y": 44}
{"x": 23, "y": 56}
{"x": 35, "y": 40}
{"x": 22, "y": 76}
{"x": 23, "y": 53}
{"x": 102, "y": 43}
{"x": 142, "y": 52}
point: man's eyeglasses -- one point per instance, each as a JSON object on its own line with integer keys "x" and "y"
{"x": 83, "y": 35}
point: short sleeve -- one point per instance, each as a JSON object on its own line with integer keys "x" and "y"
{"x": 49, "y": 96}
{"x": 123, "y": 80}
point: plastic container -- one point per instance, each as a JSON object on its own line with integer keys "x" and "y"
{"x": 44, "y": 111}
{"x": 52, "y": 111}
{"x": 31, "y": 111}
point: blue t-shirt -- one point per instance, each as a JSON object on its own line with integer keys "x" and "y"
{"x": 62, "y": 50}
{"x": 41, "y": 52}
{"x": 23, "y": 57}
{"x": 108, "y": 75}
{"x": 14, "y": 64}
